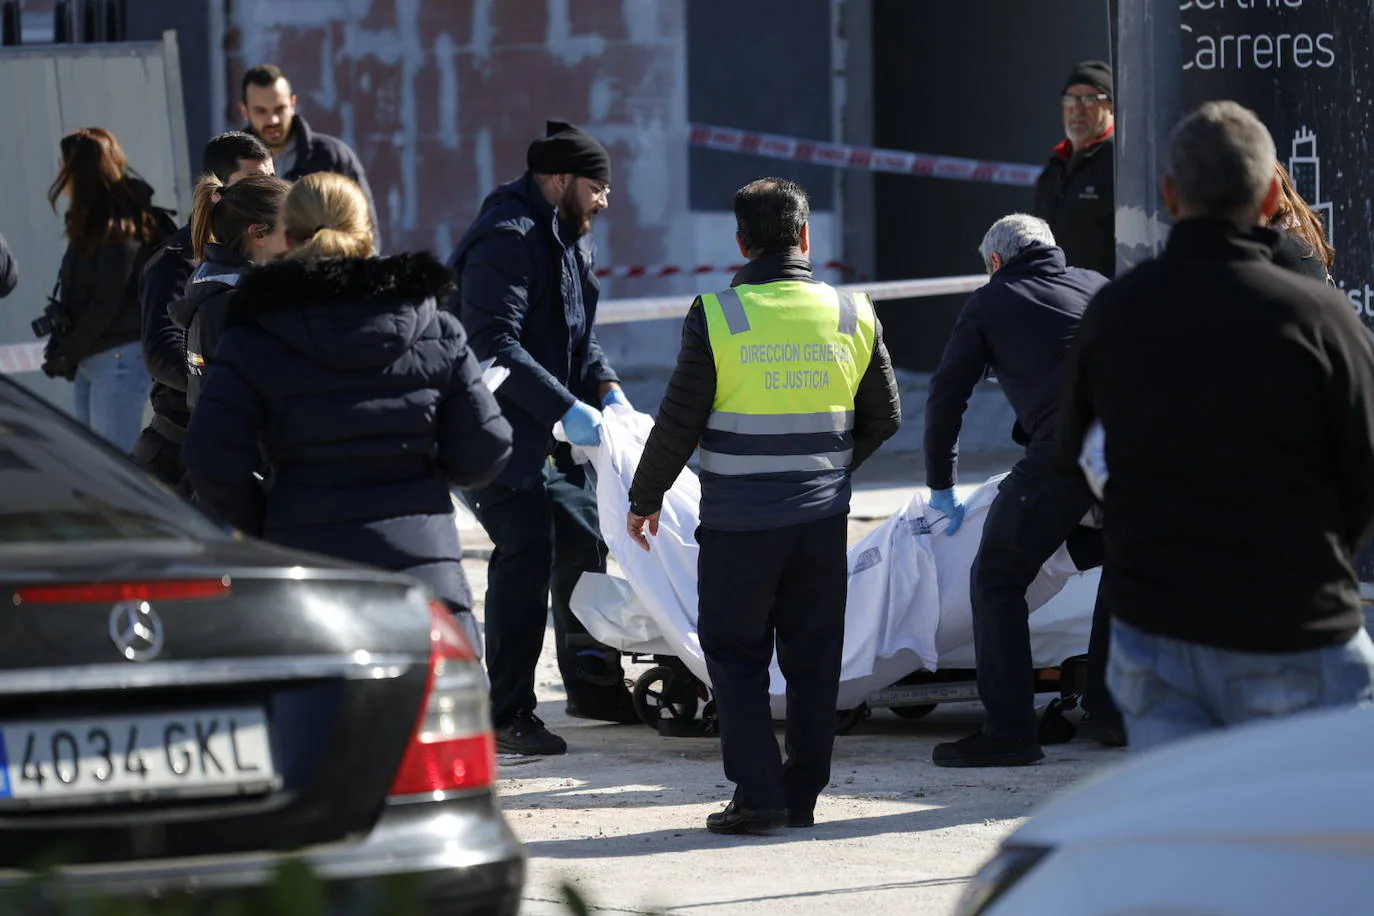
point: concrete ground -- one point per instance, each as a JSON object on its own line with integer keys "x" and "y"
{"x": 621, "y": 816}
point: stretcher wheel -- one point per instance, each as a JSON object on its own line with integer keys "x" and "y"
{"x": 847, "y": 719}
{"x": 664, "y": 692}
{"x": 913, "y": 712}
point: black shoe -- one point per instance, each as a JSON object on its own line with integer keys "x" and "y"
{"x": 735, "y": 819}
{"x": 604, "y": 706}
{"x": 799, "y": 817}
{"x": 978, "y": 750}
{"x": 1108, "y": 731}
{"x": 526, "y": 735}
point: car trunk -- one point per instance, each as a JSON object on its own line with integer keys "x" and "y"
{"x": 199, "y": 699}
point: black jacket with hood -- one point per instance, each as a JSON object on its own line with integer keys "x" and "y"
{"x": 203, "y": 310}
{"x": 364, "y": 402}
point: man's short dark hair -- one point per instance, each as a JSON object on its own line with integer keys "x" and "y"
{"x": 770, "y": 214}
{"x": 265, "y": 75}
{"x": 223, "y": 153}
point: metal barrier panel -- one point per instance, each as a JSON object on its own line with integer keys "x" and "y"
{"x": 131, "y": 89}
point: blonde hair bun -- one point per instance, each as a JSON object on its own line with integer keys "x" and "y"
{"x": 327, "y": 217}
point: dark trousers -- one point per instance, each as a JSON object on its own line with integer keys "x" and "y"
{"x": 784, "y": 586}
{"x": 545, "y": 538}
{"x": 1097, "y": 697}
{"x": 1088, "y": 552}
{"x": 1036, "y": 509}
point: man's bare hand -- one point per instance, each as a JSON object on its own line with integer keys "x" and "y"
{"x": 635, "y": 525}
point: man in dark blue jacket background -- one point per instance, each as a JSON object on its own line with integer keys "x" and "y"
{"x": 527, "y": 297}
{"x": 230, "y": 156}
{"x": 269, "y": 107}
{"x": 1020, "y": 325}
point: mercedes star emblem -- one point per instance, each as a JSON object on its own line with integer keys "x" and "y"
{"x": 136, "y": 630}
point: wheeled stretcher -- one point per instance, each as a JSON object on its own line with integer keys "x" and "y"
{"x": 908, "y": 626}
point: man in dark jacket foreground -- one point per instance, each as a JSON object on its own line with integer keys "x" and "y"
{"x": 527, "y": 296}
{"x": 1076, "y": 193}
{"x": 269, "y": 107}
{"x": 1237, "y": 400}
{"x": 229, "y": 157}
{"x": 1019, "y": 325}
{"x": 786, "y": 385}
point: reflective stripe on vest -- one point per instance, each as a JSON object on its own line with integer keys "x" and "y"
{"x": 738, "y": 465}
{"x": 789, "y": 356}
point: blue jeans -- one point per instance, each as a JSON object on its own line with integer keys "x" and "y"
{"x": 111, "y": 392}
{"x": 1169, "y": 689}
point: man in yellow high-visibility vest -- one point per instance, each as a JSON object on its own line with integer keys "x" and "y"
{"x": 786, "y": 385}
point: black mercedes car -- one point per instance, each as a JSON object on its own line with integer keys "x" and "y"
{"x": 181, "y": 708}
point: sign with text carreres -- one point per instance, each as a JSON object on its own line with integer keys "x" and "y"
{"x": 1304, "y": 67}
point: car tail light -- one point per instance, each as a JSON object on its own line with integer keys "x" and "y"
{"x": 452, "y": 746}
{"x": 110, "y": 592}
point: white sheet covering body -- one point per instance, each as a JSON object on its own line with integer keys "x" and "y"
{"x": 908, "y": 605}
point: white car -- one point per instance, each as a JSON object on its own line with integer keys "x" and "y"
{"x": 1274, "y": 818}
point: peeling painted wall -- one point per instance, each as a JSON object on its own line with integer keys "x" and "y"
{"x": 441, "y": 97}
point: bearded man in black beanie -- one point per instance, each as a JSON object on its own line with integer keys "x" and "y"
{"x": 1076, "y": 194}
{"x": 527, "y": 296}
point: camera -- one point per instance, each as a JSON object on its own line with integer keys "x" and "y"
{"x": 54, "y": 320}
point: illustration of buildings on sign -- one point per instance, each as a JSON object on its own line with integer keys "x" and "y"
{"x": 1305, "y": 168}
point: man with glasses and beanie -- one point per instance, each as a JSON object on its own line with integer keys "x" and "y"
{"x": 786, "y": 385}
{"x": 527, "y": 296}
{"x": 1076, "y": 194}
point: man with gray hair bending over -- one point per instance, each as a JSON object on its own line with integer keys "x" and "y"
{"x": 1019, "y": 326}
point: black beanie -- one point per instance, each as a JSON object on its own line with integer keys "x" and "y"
{"x": 1095, "y": 73}
{"x": 567, "y": 150}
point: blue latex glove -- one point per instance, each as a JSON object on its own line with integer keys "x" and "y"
{"x": 582, "y": 425}
{"x": 615, "y": 396}
{"x": 946, "y": 503}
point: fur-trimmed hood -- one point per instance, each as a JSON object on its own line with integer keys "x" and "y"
{"x": 344, "y": 312}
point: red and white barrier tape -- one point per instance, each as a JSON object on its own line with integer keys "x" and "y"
{"x": 25, "y": 357}
{"x": 620, "y": 311}
{"x": 28, "y": 357}
{"x": 839, "y": 155}
{"x": 654, "y": 272}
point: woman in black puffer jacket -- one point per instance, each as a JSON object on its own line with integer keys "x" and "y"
{"x": 342, "y": 374}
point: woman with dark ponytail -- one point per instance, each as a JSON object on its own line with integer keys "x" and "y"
{"x": 233, "y": 227}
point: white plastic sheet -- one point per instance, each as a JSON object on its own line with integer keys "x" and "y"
{"x": 908, "y": 605}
